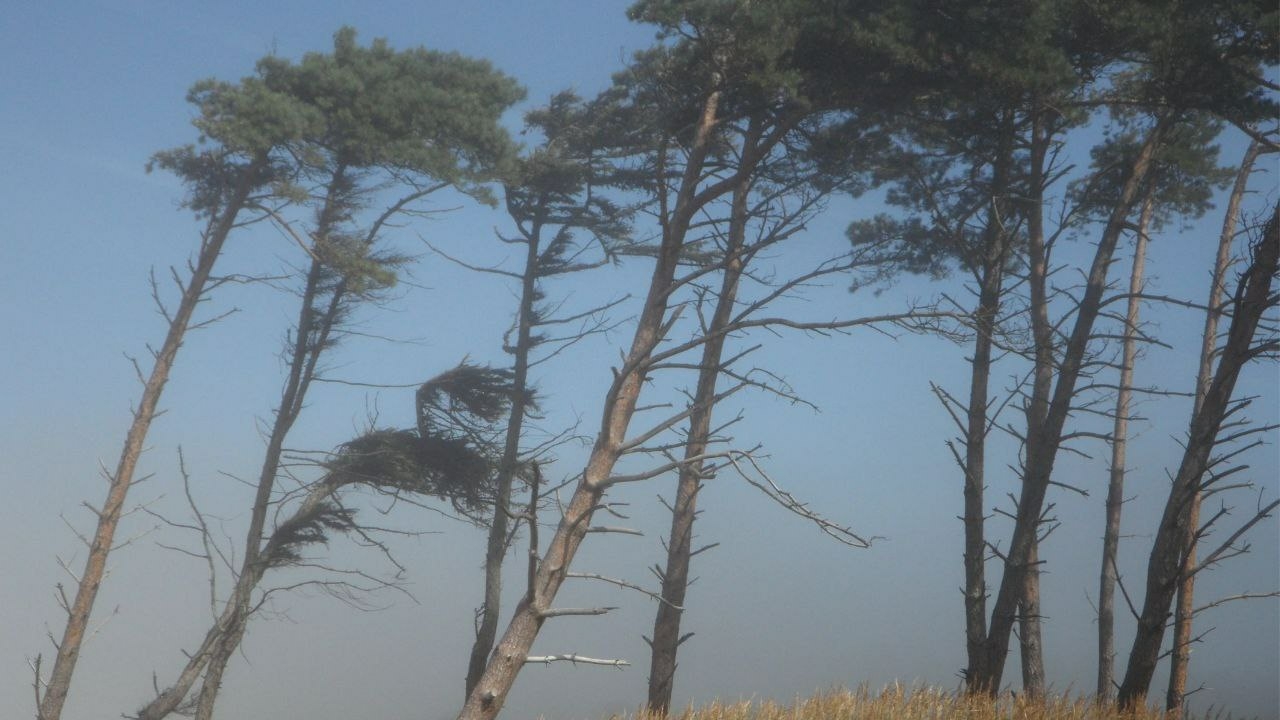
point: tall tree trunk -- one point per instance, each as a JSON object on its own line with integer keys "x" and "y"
{"x": 1181, "y": 653}
{"x": 496, "y": 548}
{"x": 1037, "y": 411}
{"x": 990, "y": 268}
{"x": 1043, "y": 441}
{"x": 667, "y": 639}
{"x": 1119, "y": 443}
{"x": 1166, "y": 569}
{"x": 212, "y": 241}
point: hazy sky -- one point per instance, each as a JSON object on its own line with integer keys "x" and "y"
{"x": 89, "y": 90}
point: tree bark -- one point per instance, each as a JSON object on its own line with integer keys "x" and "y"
{"x": 1165, "y": 567}
{"x": 1119, "y": 443}
{"x": 667, "y": 639}
{"x": 1030, "y": 642}
{"x": 1181, "y": 653}
{"x": 215, "y": 236}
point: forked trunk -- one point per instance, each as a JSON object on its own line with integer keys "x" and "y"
{"x": 224, "y": 636}
{"x": 1031, "y": 645}
{"x": 489, "y": 695}
{"x": 995, "y": 254}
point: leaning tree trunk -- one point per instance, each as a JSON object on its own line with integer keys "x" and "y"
{"x": 1115, "y": 484}
{"x": 1180, "y": 656}
{"x": 667, "y": 639}
{"x": 489, "y": 695}
{"x": 223, "y": 637}
{"x": 215, "y": 235}
{"x": 315, "y": 326}
{"x": 1165, "y": 569}
{"x": 1043, "y": 441}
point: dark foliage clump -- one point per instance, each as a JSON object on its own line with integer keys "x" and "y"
{"x": 403, "y": 461}
{"x": 308, "y": 526}
{"x": 451, "y": 455}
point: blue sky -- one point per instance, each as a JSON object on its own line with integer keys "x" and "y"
{"x": 89, "y": 90}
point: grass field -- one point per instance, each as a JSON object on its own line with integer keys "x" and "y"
{"x": 906, "y": 703}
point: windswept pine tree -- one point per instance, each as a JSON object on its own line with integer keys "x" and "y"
{"x": 242, "y": 164}
{"x": 403, "y": 124}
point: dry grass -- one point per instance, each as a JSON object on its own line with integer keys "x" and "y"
{"x": 905, "y": 703}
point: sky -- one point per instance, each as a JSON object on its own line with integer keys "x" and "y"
{"x": 90, "y": 90}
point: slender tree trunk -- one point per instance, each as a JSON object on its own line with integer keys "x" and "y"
{"x": 1181, "y": 654}
{"x": 1037, "y": 411}
{"x": 1165, "y": 569}
{"x": 496, "y": 548}
{"x": 489, "y": 695}
{"x": 1119, "y": 443}
{"x": 995, "y": 249}
{"x": 212, "y": 241}
{"x": 667, "y": 639}
{"x": 1043, "y": 441}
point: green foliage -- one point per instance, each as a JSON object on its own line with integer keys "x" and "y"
{"x": 475, "y": 391}
{"x": 242, "y": 127}
{"x": 1184, "y": 176}
{"x": 251, "y": 117}
{"x": 553, "y": 186}
{"x": 416, "y": 110}
{"x": 421, "y": 116}
{"x": 361, "y": 270}
{"x": 1204, "y": 55}
{"x": 733, "y": 43}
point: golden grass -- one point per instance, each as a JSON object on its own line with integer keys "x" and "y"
{"x": 905, "y": 703}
